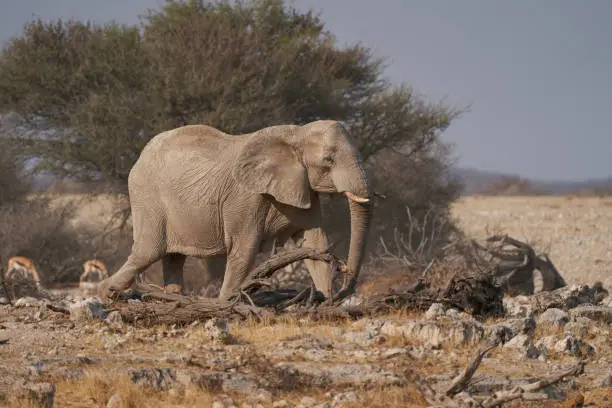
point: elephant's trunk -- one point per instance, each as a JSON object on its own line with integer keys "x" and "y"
{"x": 360, "y": 219}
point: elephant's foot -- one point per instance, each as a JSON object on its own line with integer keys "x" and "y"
{"x": 108, "y": 287}
{"x": 104, "y": 290}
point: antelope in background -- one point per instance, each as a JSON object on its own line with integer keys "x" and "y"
{"x": 20, "y": 266}
{"x": 94, "y": 268}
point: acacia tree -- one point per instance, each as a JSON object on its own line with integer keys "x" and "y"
{"x": 108, "y": 89}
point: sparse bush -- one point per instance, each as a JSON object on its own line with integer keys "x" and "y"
{"x": 430, "y": 244}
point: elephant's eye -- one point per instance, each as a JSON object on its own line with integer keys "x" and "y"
{"x": 328, "y": 158}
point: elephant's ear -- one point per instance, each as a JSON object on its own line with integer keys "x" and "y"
{"x": 267, "y": 164}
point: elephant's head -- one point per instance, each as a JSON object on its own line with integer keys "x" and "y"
{"x": 288, "y": 162}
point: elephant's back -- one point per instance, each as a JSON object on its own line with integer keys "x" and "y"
{"x": 180, "y": 149}
{"x": 188, "y": 139}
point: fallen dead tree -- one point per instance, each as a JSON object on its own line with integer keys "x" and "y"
{"x": 454, "y": 395}
{"x": 513, "y": 263}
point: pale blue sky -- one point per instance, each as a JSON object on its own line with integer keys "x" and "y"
{"x": 537, "y": 73}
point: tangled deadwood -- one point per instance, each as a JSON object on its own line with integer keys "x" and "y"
{"x": 513, "y": 263}
{"x": 454, "y": 395}
{"x": 259, "y": 296}
{"x": 476, "y": 286}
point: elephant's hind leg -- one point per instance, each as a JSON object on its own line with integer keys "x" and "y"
{"x": 173, "y": 272}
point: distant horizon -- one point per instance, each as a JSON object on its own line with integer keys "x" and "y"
{"x": 535, "y": 73}
{"x": 535, "y": 179}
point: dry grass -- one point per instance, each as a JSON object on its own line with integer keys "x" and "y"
{"x": 95, "y": 389}
{"x": 393, "y": 397}
{"x": 261, "y": 333}
{"x": 575, "y": 231}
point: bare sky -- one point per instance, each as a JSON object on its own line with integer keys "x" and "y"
{"x": 538, "y": 74}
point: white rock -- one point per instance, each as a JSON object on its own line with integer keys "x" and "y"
{"x": 573, "y": 346}
{"x": 523, "y": 344}
{"x": 434, "y": 333}
{"x": 518, "y": 306}
{"x": 87, "y": 309}
{"x": 546, "y": 343}
{"x": 601, "y": 314}
{"x": 218, "y": 330}
{"x": 435, "y": 310}
{"x": 554, "y": 317}
{"x": 114, "y": 320}
{"x": 28, "y": 301}
{"x": 349, "y": 398}
{"x": 373, "y": 328}
{"x": 454, "y": 314}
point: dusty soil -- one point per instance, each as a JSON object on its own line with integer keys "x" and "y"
{"x": 575, "y": 231}
{"x": 288, "y": 363}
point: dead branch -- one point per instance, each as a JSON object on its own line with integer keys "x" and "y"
{"x": 517, "y": 392}
{"x": 450, "y": 397}
{"x": 458, "y": 384}
{"x": 267, "y": 268}
{"x": 462, "y": 381}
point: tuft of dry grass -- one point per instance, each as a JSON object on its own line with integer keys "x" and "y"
{"x": 96, "y": 389}
{"x": 257, "y": 332}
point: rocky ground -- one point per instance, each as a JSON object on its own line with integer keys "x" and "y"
{"x": 83, "y": 355}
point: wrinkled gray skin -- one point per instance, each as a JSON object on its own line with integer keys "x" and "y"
{"x": 196, "y": 191}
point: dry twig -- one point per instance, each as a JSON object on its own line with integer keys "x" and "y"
{"x": 450, "y": 397}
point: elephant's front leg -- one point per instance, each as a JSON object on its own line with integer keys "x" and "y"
{"x": 320, "y": 271}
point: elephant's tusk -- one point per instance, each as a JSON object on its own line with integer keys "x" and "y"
{"x": 356, "y": 198}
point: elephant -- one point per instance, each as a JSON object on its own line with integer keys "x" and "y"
{"x": 197, "y": 191}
